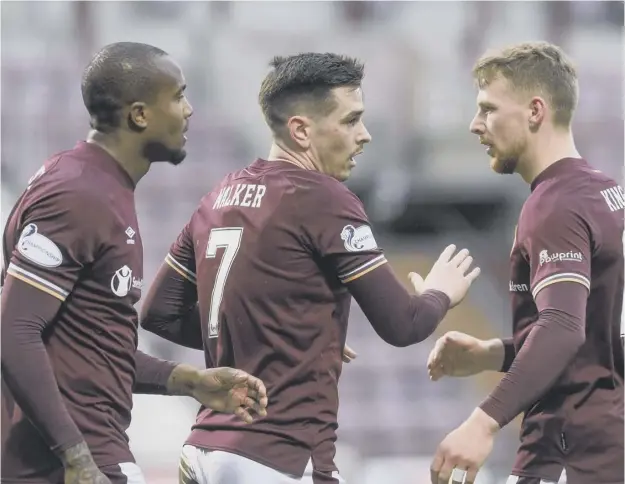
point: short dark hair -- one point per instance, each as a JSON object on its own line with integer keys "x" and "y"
{"x": 304, "y": 81}
{"x": 118, "y": 75}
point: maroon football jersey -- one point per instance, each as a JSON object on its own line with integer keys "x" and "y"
{"x": 271, "y": 249}
{"x": 73, "y": 234}
{"x": 571, "y": 229}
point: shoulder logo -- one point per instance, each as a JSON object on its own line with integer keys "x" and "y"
{"x": 38, "y": 248}
{"x": 358, "y": 239}
{"x": 130, "y": 233}
{"x": 121, "y": 281}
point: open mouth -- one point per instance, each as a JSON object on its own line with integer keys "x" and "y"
{"x": 352, "y": 161}
{"x": 490, "y": 150}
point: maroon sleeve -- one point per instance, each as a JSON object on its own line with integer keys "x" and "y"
{"x": 341, "y": 234}
{"x": 26, "y": 368}
{"x": 60, "y": 235}
{"x": 398, "y": 318}
{"x": 171, "y": 310}
{"x": 558, "y": 244}
{"x": 152, "y": 374}
{"x": 509, "y": 354}
{"x": 339, "y": 231}
{"x": 549, "y": 348}
{"x": 181, "y": 256}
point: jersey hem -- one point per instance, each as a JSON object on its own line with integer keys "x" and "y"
{"x": 247, "y": 455}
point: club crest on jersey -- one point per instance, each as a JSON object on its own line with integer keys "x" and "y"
{"x": 358, "y": 239}
{"x": 38, "y": 248}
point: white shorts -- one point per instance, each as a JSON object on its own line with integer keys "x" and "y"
{"x": 201, "y": 466}
{"x": 124, "y": 473}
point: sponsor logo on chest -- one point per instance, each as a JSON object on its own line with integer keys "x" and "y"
{"x": 122, "y": 282}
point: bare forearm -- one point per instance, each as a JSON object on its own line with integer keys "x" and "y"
{"x": 78, "y": 455}
{"x": 162, "y": 377}
{"x": 182, "y": 380}
{"x": 499, "y": 354}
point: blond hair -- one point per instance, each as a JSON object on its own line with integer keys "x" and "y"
{"x": 535, "y": 68}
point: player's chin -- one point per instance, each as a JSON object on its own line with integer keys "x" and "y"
{"x": 498, "y": 166}
{"x": 495, "y": 165}
{"x": 346, "y": 171}
{"x": 344, "y": 175}
{"x": 177, "y": 156}
{"x": 503, "y": 166}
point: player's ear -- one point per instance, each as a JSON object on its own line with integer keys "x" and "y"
{"x": 538, "y": 111}
{"x": 137, "y": 116}
{"x": 300, "y": 130}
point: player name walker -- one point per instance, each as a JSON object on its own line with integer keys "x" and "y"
{"x": 240, "y": 195}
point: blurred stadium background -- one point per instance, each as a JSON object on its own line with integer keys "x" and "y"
{"x": 424, "y": 179}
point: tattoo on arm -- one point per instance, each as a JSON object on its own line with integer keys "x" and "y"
{"x": 77, "y": 456}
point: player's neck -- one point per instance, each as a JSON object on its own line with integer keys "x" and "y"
{"x": 546, "y": 152}
{"x": 302, "y": 160}
{"x": 126, "y": 154}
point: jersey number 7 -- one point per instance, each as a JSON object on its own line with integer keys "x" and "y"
{"x": 228, "y": 238}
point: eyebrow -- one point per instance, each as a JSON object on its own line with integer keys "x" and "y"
{"x": 484, "y": 104}
{"x": 353, "y": 114}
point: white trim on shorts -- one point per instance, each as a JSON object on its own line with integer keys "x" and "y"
{"x": 218, "y": 467}
{"x": 132, "y": 472}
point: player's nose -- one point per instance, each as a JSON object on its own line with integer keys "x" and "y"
{"x": 188, "y": 110}
{"x": 365, "y": 136}
{"x": 477, "y": 126}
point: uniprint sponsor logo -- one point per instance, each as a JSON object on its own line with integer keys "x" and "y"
{"x": 545, "y": 257}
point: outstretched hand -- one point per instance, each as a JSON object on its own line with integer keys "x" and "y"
{"x": 450, "y": 275}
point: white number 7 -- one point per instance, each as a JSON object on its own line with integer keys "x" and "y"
{"x": 230, "y": 239}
